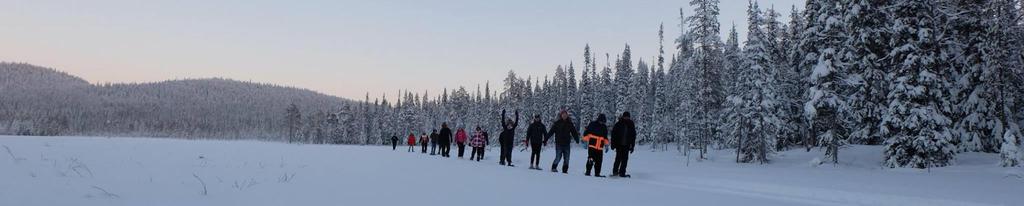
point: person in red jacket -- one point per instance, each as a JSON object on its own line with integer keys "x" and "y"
{"x": 460, "y": 140}
{"x": 412, "y": 142}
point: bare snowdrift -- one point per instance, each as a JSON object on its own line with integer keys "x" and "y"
{"x": 145, "y": 171}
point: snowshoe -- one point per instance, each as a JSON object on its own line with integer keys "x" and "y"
{"x": 601, "y": 176}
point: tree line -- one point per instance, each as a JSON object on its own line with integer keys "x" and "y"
{"x": 926, "y": 79}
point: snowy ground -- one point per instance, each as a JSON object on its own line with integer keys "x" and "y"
{"x": 145, "y": 171}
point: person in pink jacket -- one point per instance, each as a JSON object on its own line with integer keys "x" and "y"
{"x": 460, "y": 140}
{"x": 478, "y": 142}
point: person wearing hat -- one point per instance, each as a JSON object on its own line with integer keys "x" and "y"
{"x": 596, "y": 138}
{"x": 623, "y": 143}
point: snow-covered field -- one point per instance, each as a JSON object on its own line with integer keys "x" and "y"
{"x": 145, "y": 171}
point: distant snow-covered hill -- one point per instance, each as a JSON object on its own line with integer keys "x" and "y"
{"x": 43, "y": 101}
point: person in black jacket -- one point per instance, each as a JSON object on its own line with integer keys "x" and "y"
{"x": 445, "y": 140}
{"x": 433, "y": 142}
{"x": 564, "y": 132}
{"x": 394, "y": 142}
{"x": 534, "y": 138}
{"x": 623, "y": 142}
{"x": 507, "y": 138}
{"x": 424, "y": 141}
{"x": 596, "y": 138}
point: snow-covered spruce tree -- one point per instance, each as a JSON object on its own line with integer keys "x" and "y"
{"x": 587, "y": 85}
{"x": 734, "y": 67}
{"x": 463, "y": 108}
{"x": 383, "y": 124}
{"x": 559, "y": 83}
{"x": 972, "y": 114}
{"x": 641, "y": 96}
{"x": 426, "y": 111}
{"x": 792, "y": 85}
{"x": 737, "y": 125}
{"x": 1010, "y": 151}
{"x": 778, "y": 69}
{"x": 686, "y": 126}
{"x": 293, "y": 121}
{"x": 918, "y": 127}
{"x": 707, "y": 67}
{"x": 419, "y": 113}
{"x": 315, "y": 128}
{"x": 571, "y": 91}
{"x": 685, "y": 41}
{"x": 511, "y": 94}
{"x": 366, "y": 122}
{"x": 607, "y": 95}
{"x": 545, "y": 97}
{"x": 657, "y": 93}
{"x": 334, "y": 129}
{"x": 773, "y": 33}
{"x": 489, "y": 117}
{"x": 623, "y": 77}
{"x": 755, "y": 112}
{"x": 660, "y": 130}
{"x": 674, "y": 86}
{"x": 984, "y": 55}
{"x": 821, "y": 44}
{"x": 866, "y": 24}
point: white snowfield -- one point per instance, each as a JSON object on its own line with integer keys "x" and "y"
{"x": 146, "y": 171}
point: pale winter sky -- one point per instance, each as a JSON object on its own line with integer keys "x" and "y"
{"x": 339, "y": 47}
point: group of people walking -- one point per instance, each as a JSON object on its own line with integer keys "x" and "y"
{"x": 596, "y": 135}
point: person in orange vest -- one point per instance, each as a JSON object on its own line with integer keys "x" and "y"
{"x": 412, "y": 142}
{"x": 596, "y": 138}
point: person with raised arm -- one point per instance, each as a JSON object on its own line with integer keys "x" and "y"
{"x": 507, "y": 138}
